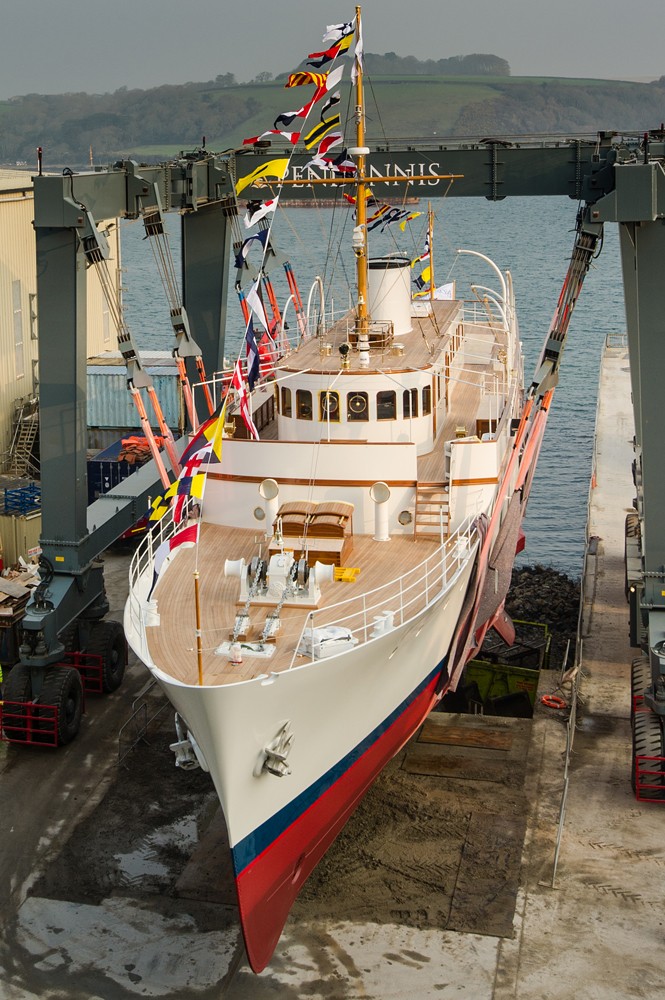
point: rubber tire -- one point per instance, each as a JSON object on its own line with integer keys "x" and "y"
{"x": 640, "y": 679}
{"x": 17, "y": 687}
{"x": 647, "y": 742}
{"x": 63, "y": 688}
{"x": 107, "y": 639}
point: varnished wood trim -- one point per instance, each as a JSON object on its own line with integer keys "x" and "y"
{"x": 336, "y": 441}
{"x": 228, "y": 478}
{"x": 474, "y": 482}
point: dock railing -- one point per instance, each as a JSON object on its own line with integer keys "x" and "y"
{"x": 570, "y": 680}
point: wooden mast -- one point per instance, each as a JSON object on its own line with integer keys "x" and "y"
{"x": 360, "y": 235}
{"x": 430, "y": 234}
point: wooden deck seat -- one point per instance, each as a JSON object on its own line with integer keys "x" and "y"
{"x": 295, "y": 515}
{"x": 331, "y": 519}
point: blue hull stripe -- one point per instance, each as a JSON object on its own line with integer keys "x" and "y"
{"x": 258, "y": 840}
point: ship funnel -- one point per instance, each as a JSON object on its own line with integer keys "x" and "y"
{"x": 269, "y": 492}
{"x": 380, "y": 494}
{"x": 390, "y": 292}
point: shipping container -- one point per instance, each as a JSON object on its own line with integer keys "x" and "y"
{"x": 111, "y": 409}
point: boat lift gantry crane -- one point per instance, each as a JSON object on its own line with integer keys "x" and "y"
{"x": 614, "y": 178}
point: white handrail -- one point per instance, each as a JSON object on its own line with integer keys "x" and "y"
{"x": 402, "y": 595}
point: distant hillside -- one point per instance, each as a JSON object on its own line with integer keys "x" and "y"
{"x": 156, "y": 123}
{"x": 390, "y": 64}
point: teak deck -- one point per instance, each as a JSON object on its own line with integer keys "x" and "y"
{"x": 172, "y": 643}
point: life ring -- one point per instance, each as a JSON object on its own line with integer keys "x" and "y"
{"x": 553, "y": 701}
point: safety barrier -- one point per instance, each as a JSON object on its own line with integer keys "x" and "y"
{"x": 28, "y": 723}
{"x": 90, "y": 666}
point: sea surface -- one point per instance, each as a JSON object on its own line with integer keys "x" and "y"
{"x": 531, "y": 237}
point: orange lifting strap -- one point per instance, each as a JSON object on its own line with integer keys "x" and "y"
{"x": 187, "y": 392}
{"x": 297, "y": 300}
{"x": 200, "y": 367}
{"x": 149, "y": 436}
{"x": 165, "y": 430}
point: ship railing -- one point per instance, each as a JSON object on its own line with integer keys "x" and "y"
{"x": 142, "y": 565}
{"x": 391, "y": 605}
{"x": 485, "y": 314}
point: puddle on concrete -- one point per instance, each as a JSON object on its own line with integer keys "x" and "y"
{"x": 151, "y": 859}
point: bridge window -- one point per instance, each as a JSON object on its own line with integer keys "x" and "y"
{"x": 427, "y": 399}
{"x": 303, "y": 404}
{"x": 286, "y": 402}
{"x": 386, "y": 405}
{"x": 329, "y": 406}
{"x": 357, "y": 406}
{"x": 410, "y": 402}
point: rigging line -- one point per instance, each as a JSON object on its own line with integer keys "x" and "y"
{"x": 158, "y": 237}
{"x": 376, "y": 105}
{"x": 164, "y": 261}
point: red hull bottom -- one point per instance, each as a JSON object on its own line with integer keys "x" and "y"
{"x": 269, "y": 885}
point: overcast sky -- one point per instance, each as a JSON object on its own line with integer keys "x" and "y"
{"x": 54, "y": 46}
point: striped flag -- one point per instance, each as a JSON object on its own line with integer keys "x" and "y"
{"x": 423, "y": 278}
{"x": 425, "y": 254}
{"x": 321, "y": 159}
{"x": 386, "y": 215}
{"x": 304, "y": 77}
{"x": 253, "y": 363}
{"x": 319, "y": 59}
{"x": 320, "y": 130}
{"x": 256, "y": 305}
{"x": 238, "y": 383}
{"x": 209, "y": 433}
{"x": 260, "y": 238}
{"x": 185, "y": 538}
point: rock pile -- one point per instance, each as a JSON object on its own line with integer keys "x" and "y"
{"x": 542, "y": 594}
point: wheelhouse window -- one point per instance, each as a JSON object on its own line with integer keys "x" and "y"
{"x": 303, "y": 404}
{"x": 410, "y": 402}
{"x": 427, "y": 399}
{"x": 357, "y": 406}
{"x": 286, "y": 402}
{"x": 329, "y": 406}
{"x": 386, "y": 405}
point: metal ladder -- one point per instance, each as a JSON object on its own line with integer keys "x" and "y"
{"x": 20, "y": 461}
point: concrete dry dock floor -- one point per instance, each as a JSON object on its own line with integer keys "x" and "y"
{"x": 441, "y": 885}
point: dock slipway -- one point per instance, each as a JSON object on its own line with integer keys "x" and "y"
{"x": 113, "y": 883}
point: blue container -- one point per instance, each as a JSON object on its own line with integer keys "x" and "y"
{"x": 107, "y": 469}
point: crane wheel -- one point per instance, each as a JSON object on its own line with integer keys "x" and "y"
{"x": 62, "y": 687}
{"x": 18, "y": 688}
{"x": 107, "y": 639}
{"x": 640, "y": 679}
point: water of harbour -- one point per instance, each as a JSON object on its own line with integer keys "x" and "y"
{"x": 533, "y": 238}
